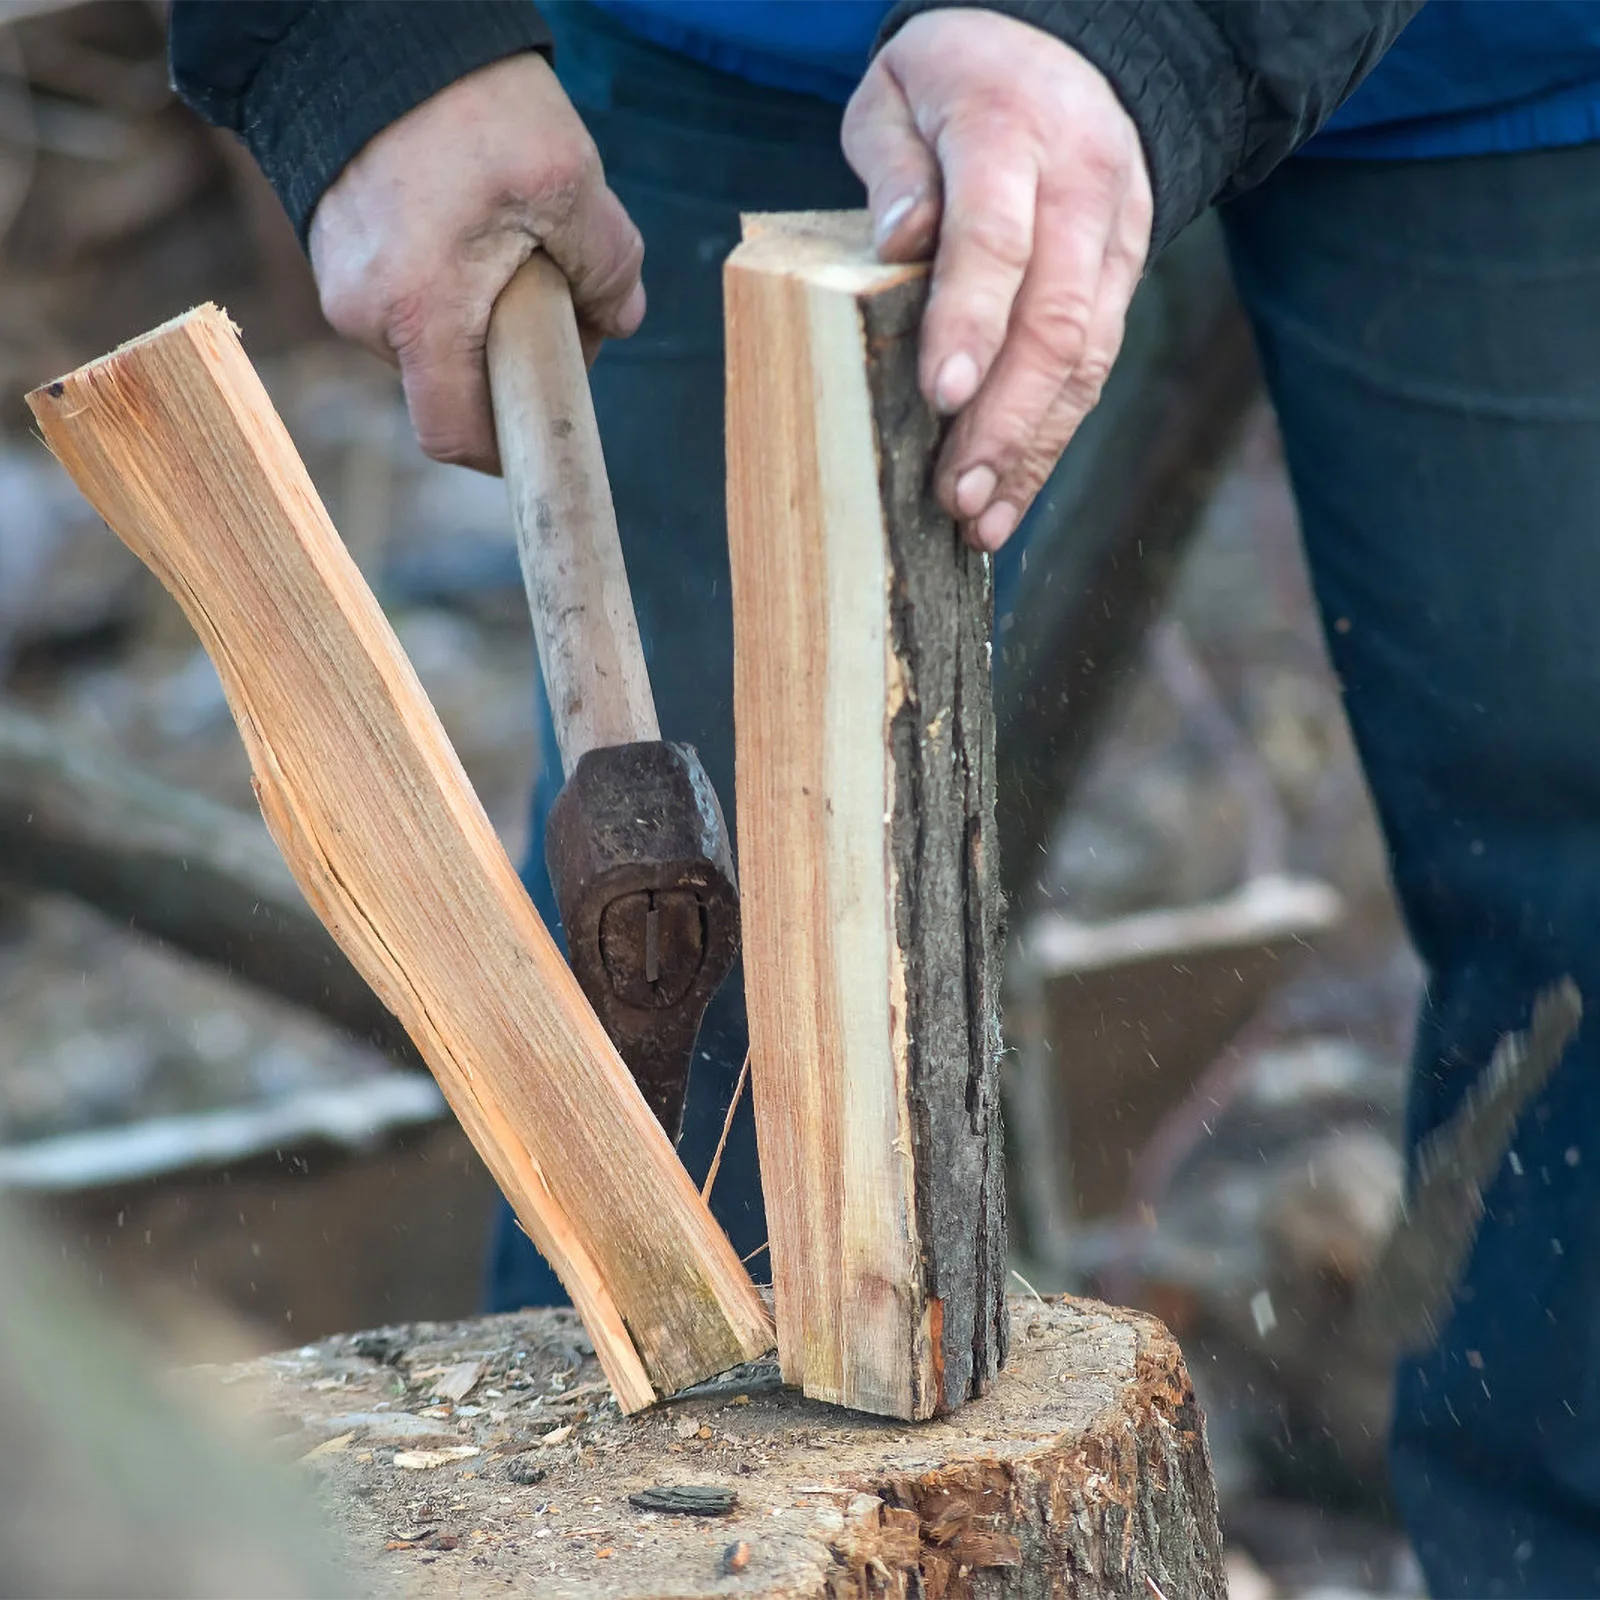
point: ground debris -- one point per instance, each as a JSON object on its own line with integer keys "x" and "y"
{"x": 427, "y": 1460}
{"x": 686, "y": 1500}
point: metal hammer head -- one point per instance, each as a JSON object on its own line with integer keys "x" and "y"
{"x": 639, "y": 857}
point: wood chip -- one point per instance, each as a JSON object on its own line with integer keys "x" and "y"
{"x": 577, "y": 1392}
{"x": 329, "y": 1447}
{"x": 458, "y": 1381}
{"x": 686, "y": 1499}
{"x": 557, "y": 1435}
{"x": 427, "y": 1460}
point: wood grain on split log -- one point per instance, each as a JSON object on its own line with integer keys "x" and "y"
{"x": 865, "y": 730}
{"x": 177, "y": 445}
{"x": 1083, "y": 1472}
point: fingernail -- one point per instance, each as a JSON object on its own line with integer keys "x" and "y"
{"x": 997, "y": 524}
{"x": 956, "y": 384}
{"x": 894, "y": 216}
{"x": 974, "y": 490}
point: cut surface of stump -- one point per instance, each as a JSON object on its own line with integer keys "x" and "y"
{"x": 486, "y": 1458}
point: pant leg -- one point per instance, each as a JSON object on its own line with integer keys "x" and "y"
{"x": 1431, "y": 336}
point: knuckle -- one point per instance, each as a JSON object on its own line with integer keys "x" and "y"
{"x": 1031, "y": 462}
{"x": 1002, "y": 236}
{"x": 342, "y": 307}
{"x": 632, "y": 264}
{"x": 1024, "y": 482}
{"x": 993, "y": 114}
{"x": 352, "y": 299}
{"x": 1138, "y": 213}
{"x": 1088, "y": 380}
{"x": 406, "y": 318}
{"x": 973, "y": 317}
{"x": 441, "y": 441}
{"x": 864, "y": 105}
{"x": 1099, "y": 162}
{"x": 1058, "y": 324}
{"x": 570, "y": 171}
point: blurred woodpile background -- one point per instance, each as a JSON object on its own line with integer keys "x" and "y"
{"x": 1211, "y": 995}
{"x": 181, "y": 1126}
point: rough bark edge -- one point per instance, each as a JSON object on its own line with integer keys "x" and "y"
{"x": 945, "y": 866}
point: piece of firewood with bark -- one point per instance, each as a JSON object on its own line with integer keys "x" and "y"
{"x": 865, "y": 740}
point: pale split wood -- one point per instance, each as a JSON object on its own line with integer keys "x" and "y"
{"x": 865, "y": 810}
{"x": 175, "y": 442}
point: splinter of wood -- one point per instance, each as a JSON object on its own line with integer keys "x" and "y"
{"x": 175, "y": 442}
{"x": 865, "y": 732}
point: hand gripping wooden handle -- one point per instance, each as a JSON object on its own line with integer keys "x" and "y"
{"x": 583, "y": 616}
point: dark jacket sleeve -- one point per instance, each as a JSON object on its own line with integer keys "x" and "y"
{"x": 1221, "y": 91}
{"x": 307, "y": 83}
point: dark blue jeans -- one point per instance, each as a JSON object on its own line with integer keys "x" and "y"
{"x": 1431, "y": 335}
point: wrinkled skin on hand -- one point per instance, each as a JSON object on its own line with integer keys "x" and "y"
{"x": 1003, "y": 153}
{"x": 413, "y": 243}
{"x": 983, "y": 142}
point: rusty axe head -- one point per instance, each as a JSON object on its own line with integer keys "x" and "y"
{"x": 639, "y": 857}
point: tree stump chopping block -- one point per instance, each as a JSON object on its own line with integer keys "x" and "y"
{"x": 486, "y": 1458}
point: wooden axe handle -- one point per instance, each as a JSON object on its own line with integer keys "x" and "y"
{"x": 583, "y": 616}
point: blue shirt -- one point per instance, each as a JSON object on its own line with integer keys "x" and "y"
{"x": 1467, "y": 77}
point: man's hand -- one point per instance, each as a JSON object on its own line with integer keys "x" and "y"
{"x": 1008, "y": 150}
{"x": 414, "y": 242}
